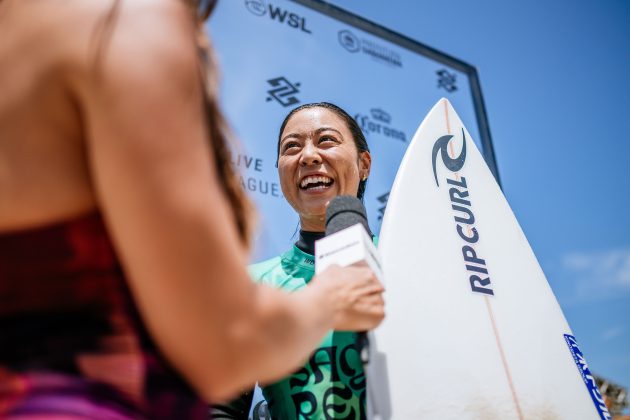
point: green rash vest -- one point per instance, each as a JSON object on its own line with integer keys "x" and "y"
{"x": 332, "y": 384}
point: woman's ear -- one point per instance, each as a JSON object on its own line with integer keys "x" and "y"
{"x": 365, "y": 164}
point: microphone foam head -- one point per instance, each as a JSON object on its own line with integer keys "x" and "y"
{"x": 344, "y": 211}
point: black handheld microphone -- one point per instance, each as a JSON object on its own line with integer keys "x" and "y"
{"x": 344, "y": 211}
{"x": 348, "y": 241}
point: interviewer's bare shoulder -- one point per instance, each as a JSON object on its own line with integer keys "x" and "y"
{"x": 56, "y": 58}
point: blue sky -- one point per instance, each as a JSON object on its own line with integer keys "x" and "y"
{"x": 554, "y": 78}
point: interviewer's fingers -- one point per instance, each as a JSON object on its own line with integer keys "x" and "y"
{"x": 356, "y": 294}
{"x": 371, "y": 288}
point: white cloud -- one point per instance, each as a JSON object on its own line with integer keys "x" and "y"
{"x": 612, "y": 332}
{"x": 601, "y": 274}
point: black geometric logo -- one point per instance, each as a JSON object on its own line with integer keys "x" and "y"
{"x": 382, "y": 199}
{"x": 446, "y": 80}
{"x": 283, "y": 91}
{"x": 257, "y": 7}
{"x": 349, "y": 41}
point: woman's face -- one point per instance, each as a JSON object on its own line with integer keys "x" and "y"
{"x": 318, "y": 161}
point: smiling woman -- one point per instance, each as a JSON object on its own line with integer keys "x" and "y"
{"x": 322, "y": 154}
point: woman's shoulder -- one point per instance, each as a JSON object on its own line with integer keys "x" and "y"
{"x": 268, "y": 272}
{"x": 291, "y": 270}
{"x": 265, "y": 269}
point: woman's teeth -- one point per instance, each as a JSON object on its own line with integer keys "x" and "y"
{"x": 316, "y": 182}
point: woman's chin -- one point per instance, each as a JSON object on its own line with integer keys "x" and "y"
{"x": 315, "y": 202}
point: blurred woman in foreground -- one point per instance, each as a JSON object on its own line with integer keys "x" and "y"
{"x": 123, "y": 292}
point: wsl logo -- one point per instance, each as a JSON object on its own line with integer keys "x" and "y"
{"x": 278, "y": 14}
{"x": 464, "y": 217}
{"x": 257, "y": 7}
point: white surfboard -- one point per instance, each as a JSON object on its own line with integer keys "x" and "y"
{"x": 473, "y": 330}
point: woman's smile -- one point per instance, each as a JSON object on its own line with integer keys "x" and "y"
{"x": 316, "y": 184}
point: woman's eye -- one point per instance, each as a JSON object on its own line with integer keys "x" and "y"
{"x": 326, "y": 139}
{"x": 289, "y": 146}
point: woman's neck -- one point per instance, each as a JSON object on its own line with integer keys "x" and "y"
{"x": 313, "y": 223}
{"x": 306, "y": 241}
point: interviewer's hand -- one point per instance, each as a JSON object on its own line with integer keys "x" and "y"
{"x": 356, "y": 296}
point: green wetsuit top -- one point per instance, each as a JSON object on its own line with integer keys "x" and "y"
{"x": 332, "y": 384}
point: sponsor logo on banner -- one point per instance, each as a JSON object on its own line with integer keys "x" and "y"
{"x": 378, "y": 121}
{"x": 349, "y": 41}
{"x": 250, "y": 169}
{"x": 352, "y": 43}
{"x": 382, "y": 203}
{"x": 277, "y": 14}
{"x": 587, "y": 377}
{"x": 283, "y": 91}
{"x": 464, "y": 216}
{"x": 257, "y": 7}
{"x": 446, "y": 80}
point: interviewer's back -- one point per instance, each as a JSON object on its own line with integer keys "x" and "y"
{"x": 69, "y": 326}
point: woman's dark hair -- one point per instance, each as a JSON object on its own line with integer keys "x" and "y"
{"x": 216, "y": 125}
{"x": 204, "y": 8}
{"x": 351, "y": 124}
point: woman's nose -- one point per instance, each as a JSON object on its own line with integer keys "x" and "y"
{"x": 310, "y": 155}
